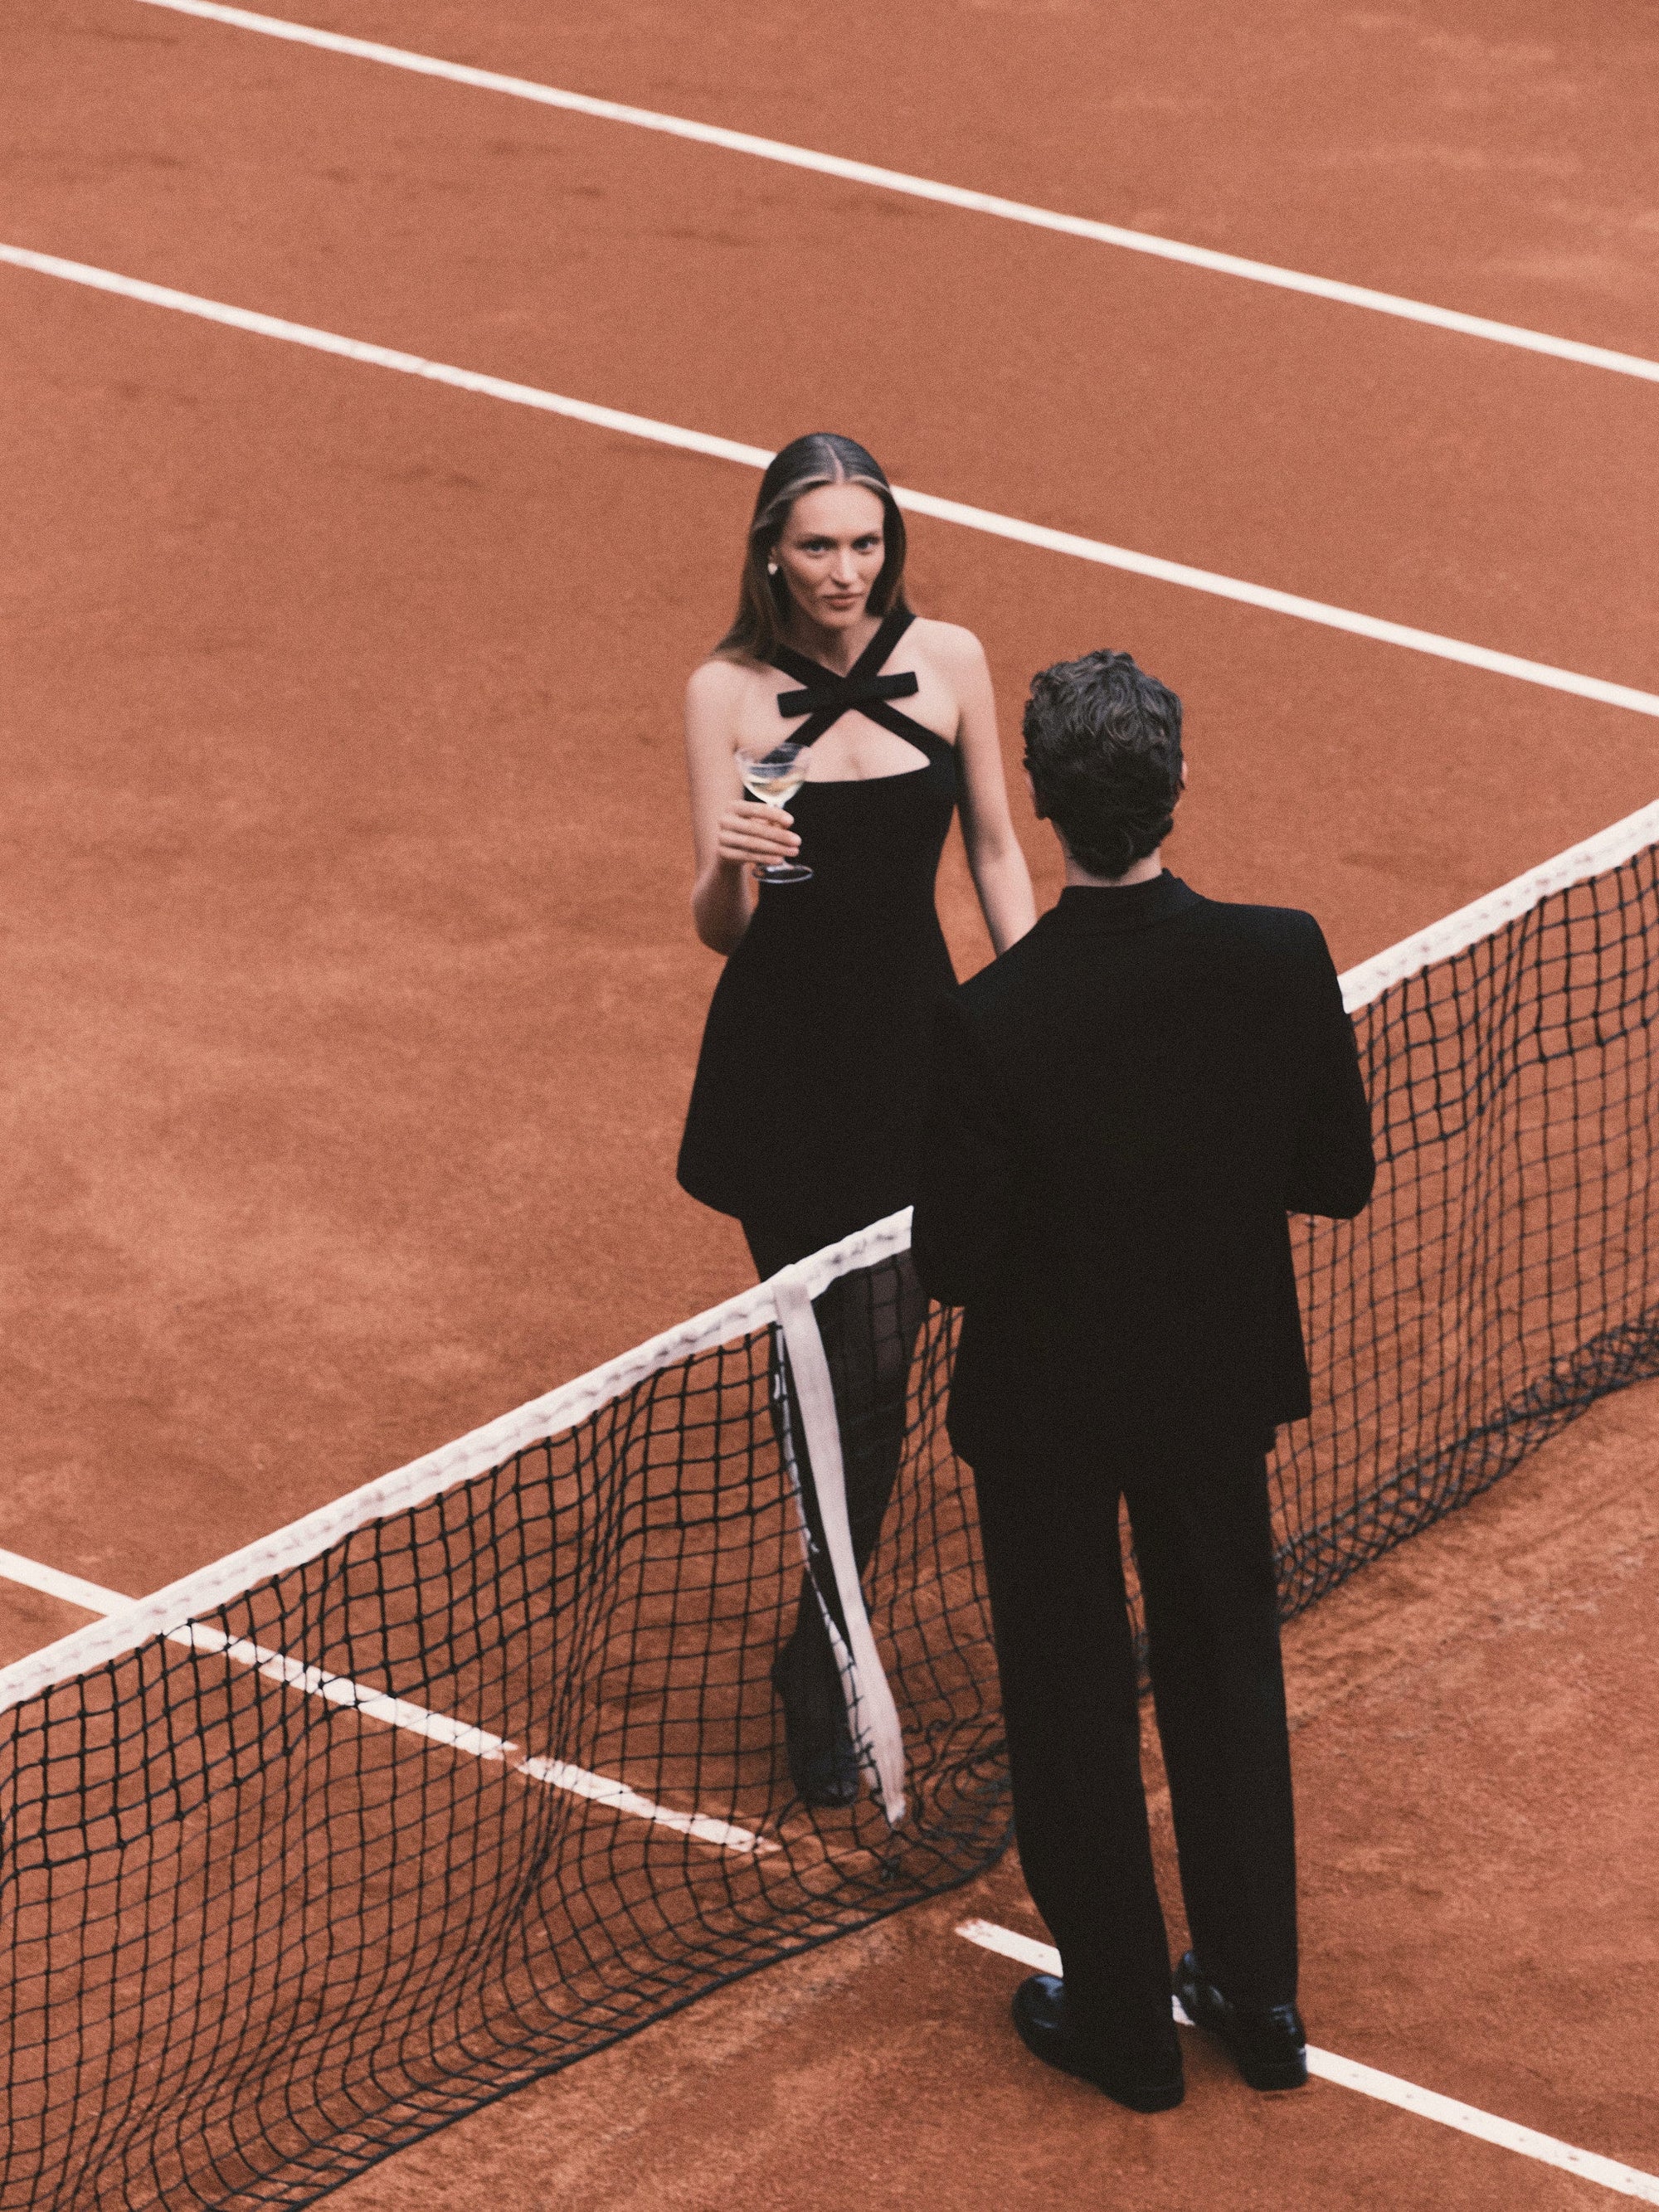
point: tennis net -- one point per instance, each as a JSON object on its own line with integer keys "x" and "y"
{"x": 1506, "y": 1272}
{"x": 482, "y": 1768}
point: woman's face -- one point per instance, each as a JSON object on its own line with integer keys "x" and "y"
{"x": 831, "y": 551}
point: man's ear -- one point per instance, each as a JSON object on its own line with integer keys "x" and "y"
{"x": 1032, "y": 787}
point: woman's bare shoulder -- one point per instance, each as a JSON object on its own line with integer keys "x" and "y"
{"x": 718, "y": 691}
{"x": 723, "y": 680}
{"x": 949, "y": 643}
{"x": 717, "y": 678}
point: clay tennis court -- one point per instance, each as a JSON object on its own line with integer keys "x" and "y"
{"x": 354, "y": 997}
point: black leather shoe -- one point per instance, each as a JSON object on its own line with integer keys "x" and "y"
{"x": 823, "y": 1764}
{"x": 1269, "y": 2043}
{"x": 1150, "y": 2081}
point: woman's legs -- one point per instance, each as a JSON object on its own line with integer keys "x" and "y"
{"x": 869, "y": 1322}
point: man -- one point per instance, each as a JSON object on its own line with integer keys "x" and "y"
{"x": 1124, "y": 1107}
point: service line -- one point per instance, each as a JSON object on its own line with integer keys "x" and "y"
{"x": 394, "y": 1713}
{"x": 1387, "y": 2088}
{"x": 921, "y": 188}
{"x": 917, "y": 503}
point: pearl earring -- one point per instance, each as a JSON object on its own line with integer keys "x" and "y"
{"x": 771, "y": 567}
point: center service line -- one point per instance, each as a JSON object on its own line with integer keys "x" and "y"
{"x": 916, "y": 502}
{"x": 1387, "y": 2088}
{"x": 921, "y": 188}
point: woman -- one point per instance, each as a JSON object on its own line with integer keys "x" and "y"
{"x": 808, "y": 1094}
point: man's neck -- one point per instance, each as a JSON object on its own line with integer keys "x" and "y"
{"x": 1144, "y": 872}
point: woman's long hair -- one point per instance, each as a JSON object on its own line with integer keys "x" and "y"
{"x": 820, "y": 458}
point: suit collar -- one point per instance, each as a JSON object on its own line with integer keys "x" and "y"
{"x": 1088, "y": 909}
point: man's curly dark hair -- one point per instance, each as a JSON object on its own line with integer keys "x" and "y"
{"x": 1103, "y": 743}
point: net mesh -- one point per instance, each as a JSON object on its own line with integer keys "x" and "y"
{"x": 263, "y": 1925}
{"x": 257, "y": 1938}
{"x": 1506, "y": 1272}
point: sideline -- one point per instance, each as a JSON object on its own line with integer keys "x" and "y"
{"x": 1387, "y": 2088}
{"x": 395, "y": 1713}
{"x": 915, "y": 502}
{"x": 923, "y": 188}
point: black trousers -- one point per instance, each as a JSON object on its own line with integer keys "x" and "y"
{"x": 1203, "y": 1543}
{"x": 869, "y": 1322}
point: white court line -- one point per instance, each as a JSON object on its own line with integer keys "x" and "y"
{"x": 916, "y": 502}
{"x": 91, "y": 1597}
{"x": 559, "y": 1774}
{"x": 393, "y": 1712}
{"x": 922, "y": 188}
{"x": 553, "y": 1413}
{"x": 1387, "y": 2088}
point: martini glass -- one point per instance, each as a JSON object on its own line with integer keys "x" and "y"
{"x": 773, "y": 778}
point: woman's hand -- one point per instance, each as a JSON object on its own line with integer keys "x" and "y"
{"x": 747, "y": 832}
{"x": 733, "y": 835}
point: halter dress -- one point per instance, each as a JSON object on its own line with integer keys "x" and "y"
{"x": 806, "y": 1114}
{"x": 805, "y": 1108}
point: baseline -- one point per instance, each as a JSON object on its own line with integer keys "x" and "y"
{"x": 1153, "y": 566}
{"x": 923, "y": 188}
{"x": 1387, "y": 2088}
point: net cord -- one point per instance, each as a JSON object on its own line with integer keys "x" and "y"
{"x": 1610, "y": 848}
{"x": 869, "y": 1695}
{"x": 179, "y": 1602}
{"x": 560, "y": 1409}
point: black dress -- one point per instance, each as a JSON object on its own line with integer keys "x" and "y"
{"x": 807, "y": 1108}
{"x": 808, "y": 1095}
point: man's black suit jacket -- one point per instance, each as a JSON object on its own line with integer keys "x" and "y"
{"x": 1122, "y": 1109}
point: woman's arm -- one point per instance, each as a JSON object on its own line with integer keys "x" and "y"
{"x": 730, "y": 832}
{"x": 998, "y": 865}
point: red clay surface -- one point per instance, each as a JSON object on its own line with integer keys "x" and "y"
{"x": 352, "y": 995}
{"x": 1477, "y": 1871}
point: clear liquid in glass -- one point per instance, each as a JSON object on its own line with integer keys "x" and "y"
{"x": 773, "y": 778}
